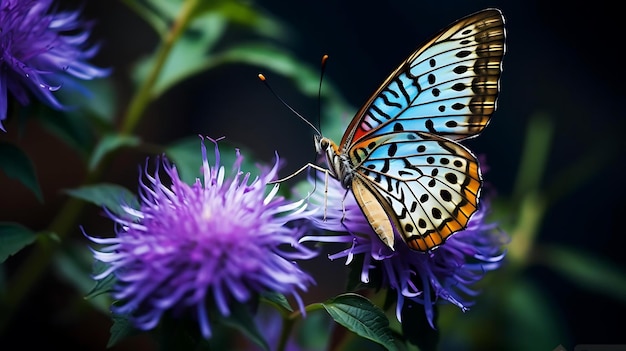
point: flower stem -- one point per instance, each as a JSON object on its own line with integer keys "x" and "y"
{"x": 288, "y": 323}
{"x": 144, "y": 95}
{"x": 35, "y": 265}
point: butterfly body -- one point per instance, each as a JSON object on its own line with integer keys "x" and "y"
{"x": 401, "y": 157}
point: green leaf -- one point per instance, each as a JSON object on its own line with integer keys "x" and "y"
{"x": 110, "y": 142}
{"x": 13, "y": 238}
{"x": 122, "y": 328}
{"x": 243, "y": 14}
{"x": 241, "y": 319}
{"x": 166, "y": 9}
{"x": 277, "y": 299}
{"x": 16, "y": 164}
{"x": 415, "y": 326}
{"x": 103, "y": 286}
{"x": 188, "y": 55}
{"x": 96, "y": 99}
{"x": 360, "y": 316}
{"x": 586, "y": 270}
{"x": 107, "y": 195}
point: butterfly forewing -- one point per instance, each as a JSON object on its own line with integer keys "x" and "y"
{"x": 447, "y": 87}
{"x": 428, "y": 185}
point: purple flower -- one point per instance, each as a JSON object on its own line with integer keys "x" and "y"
{"x": 218, "y": 242}
{"x": 446, "y": 273}
{"x": 40, "y": 51}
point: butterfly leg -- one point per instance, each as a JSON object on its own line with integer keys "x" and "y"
{"x": 317, "y": 168}
{"x": 292, "y": 175}
{"x": 326, "y": 173}
{"x": 343, "y": 205}
{"x": 325, "y": 195}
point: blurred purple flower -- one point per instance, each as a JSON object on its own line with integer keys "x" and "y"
{"x": 217, "y": 242}
{"x": 40, "y": 51}
{"x": 445, "y": 273}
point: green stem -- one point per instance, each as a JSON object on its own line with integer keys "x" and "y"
{"x": 29, "y": 273}
{"x": 531, "y": 214}
{"x": 144, "y": 95}
{"x": 289, "y": 320}
{"x": 288, "y": 324}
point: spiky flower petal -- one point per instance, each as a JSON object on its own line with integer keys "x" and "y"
{"x": 218, "y": 242}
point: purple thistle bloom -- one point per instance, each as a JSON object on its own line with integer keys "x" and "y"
{"x": 221, "y": 240}
{"x": 40, "y": 51}
{"x": 445, "y": 273}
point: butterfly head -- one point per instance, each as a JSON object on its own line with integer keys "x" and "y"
{"x": 321, "y": 143}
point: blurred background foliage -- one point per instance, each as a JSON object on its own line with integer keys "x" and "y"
{"x": 552, "y": 152}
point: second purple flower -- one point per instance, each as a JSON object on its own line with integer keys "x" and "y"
{"x": 445, "y": 274}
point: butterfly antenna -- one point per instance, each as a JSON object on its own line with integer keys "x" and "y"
{"x": 264, "y": 80}
{"x": 319, "y": 91}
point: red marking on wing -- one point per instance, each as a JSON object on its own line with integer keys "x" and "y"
{"x": 359, "y": 133}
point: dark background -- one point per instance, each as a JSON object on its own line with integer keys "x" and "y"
{"x": 563, "y": 60}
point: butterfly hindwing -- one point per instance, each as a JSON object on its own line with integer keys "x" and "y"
{"x": 447, "y": 87}
{"x": 427, "y": 185}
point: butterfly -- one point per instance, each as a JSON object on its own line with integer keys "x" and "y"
{"x": 400, "y": 155}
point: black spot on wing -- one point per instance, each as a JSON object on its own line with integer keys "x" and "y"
{"x": 393, "y": 148}
{"x": 430, "y": 126}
